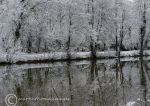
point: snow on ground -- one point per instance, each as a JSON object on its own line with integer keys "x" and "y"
{"x": 132, "y": 103}
{"x": 25, "y": 57}
{"x": 3, "y": 58}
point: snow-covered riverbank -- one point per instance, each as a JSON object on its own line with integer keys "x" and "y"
{"x": 25, "y": 57}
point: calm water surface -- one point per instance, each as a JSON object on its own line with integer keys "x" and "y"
{"x": 83, "y": 83}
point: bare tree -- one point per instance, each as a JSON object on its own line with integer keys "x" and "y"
{"x": 121, "y": 33}
{"x": 19, "y": 23}
{"x": 116, "y": 25}
{"x": 69, "y": 33}
{"x": 143, "y": 9}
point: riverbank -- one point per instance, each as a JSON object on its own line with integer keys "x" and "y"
{"x": 61, "y": 56}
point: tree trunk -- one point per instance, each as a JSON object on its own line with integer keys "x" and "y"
{"x": 93, "y": 49}
{"x": 143, "y": 30}
{"x": 69, "y": 35}
{"x": 121, "y": 34}
{"x": 92, "y": 18}
{"x": 116, "y": 27}
{"x": 19, "y": 24}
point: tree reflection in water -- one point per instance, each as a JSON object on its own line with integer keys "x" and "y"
{"x": 143, "y": 82}
{"x": 86, "y": 83}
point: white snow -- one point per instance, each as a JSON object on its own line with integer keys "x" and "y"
{"x": 25, "y": 57}
{"x": 132, "y": 103}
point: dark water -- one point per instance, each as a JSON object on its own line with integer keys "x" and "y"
{"x": 83, "y": 83}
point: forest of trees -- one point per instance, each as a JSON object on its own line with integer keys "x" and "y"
{"x": 36, "y": 26}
